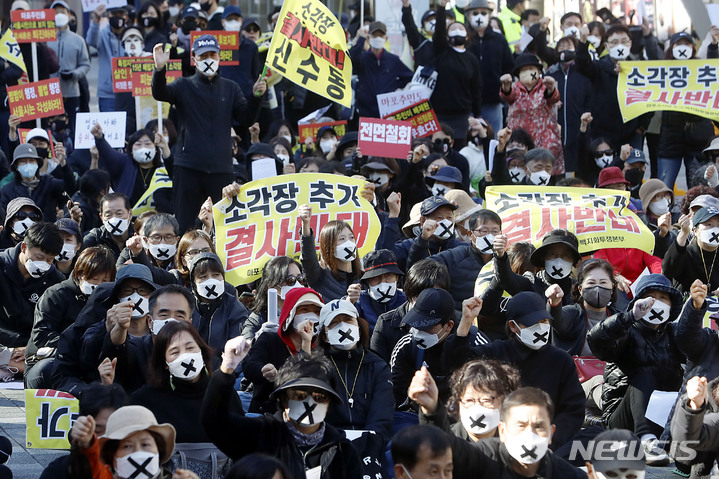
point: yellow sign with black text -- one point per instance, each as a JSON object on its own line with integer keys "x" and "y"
{"x": 49, "y": 417}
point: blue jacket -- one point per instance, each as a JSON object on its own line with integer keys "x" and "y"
{"x": 410, "y": 251}
{"x": 122, "y": 169}
{"x": 369, "y": 309}
{"x": 375, "y": 76}
{"x": 108, "y": 46}
{"x": 245, "y": 74}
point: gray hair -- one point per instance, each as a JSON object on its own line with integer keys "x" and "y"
{"x": 158, "y": 221}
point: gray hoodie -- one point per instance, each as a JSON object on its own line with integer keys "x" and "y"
{"x": 73, "y": 57}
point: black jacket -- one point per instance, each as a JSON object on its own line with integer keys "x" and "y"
{"x": 160, "y": 276}
{"x": 205, "y": 109}
{"x": 133, "y": 356}
{"x": 695, "y": 425}
{"x": 237, "y": 435}
{"x": 421, "y": 46}
{"x": 252, "y": 325}
{"x": 372, "y": 405}
{"x": 18, "y": 297}
{"x": 388, "y": 331}
{"x": 495, "y": 59}
{"x": 268, "y": 349}
{"x": 548, "y": 368}
{"x": 322, "y": 279}
{"x": 514, "y": 283}
{"x": 90, "y": 213}
{"x": 570, "y": 326}
{"x": 464, "y": 264}
{"x": 684, "y": 264}
{"x": 218, "y": 322}
{"x": 100, "y": 237}
{"x": 47, "y": 195}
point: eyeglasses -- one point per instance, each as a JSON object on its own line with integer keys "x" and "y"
{"x": 168, "y": 238}
{"x": 600, "y": 153}
{"x": 290, "y": 280}
{"x": 301, "y": 395}
{"x": 21, "y": 215}
{"x": 195, "y": 252}
{"x": 126, "y": 291}
{"x": 484, "y": 231}
{"x": 487, "y": 401}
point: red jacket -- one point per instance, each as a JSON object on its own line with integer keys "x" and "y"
{"x": 630, "y": 262}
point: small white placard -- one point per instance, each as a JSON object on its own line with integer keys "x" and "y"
{"x": 113, "y": 127}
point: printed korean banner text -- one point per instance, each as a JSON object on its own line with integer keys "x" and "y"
{"x": 263, "y": 220}
{"x": 689, "y": 86}
{"x": 10, "y": 50}
{"x": 388, "y": 138}
{"x": 309, "y": 130}
{"x": 49, "y": 416}
{"x": 599, "y": 218}
{"x": 229, "y": 45}
{"x": 309, "y": 48}
{"x": 34, "y": 25}
{"x": 36, "y": 100}
{"x": 421, "y": 115}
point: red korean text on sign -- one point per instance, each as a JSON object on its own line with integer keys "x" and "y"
{"x": 30, "y": 26}
{"x": 229, "y": 45}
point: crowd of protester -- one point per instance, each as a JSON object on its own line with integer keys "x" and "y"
{"x": 398, "y": 363}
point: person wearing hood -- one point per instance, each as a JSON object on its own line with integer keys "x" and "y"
{"x": 26, "y": 272}
{"x": 297, "y": 434}
{"x": 73, "y": 57}
{"x": 556, "y": 257}
{"x": 156, "y": 248}
{"x": 297, "y": 326}
{"x": 366, "y": 392}
{"x": 108, "y": 44}
{"x": 117, "y": 225}
{"x": 219, "y": 315}
{"x": 340, "y": 265}
{"x": 59, "y": 307}
{"x": 206, "y": 105}
{"x": 45, "y": 190}
{"x": 528, "y": 349}
{"x": 262, "y": 162}
{"x": 379, "y": 282}
{"x": 20, "y": 215}
{"x": 642, "y": 356}
{"x": 657, "y": 202}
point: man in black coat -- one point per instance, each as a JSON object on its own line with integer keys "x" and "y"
{"x": 206, "y": 105}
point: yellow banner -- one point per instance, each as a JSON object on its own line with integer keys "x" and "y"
{"x": 10, "y": 50}
{"x": 309, "y": 48}
{"x": 263, "y": 222}
{"x": 160, "y": 179}
{"x": 600, "y": 218}
{"x": 49, "y": 417}
{"x": 690, "y": 86}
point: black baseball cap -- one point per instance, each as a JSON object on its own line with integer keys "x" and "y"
{"x": 527, "y": 308}
{"x": 433, "y": 306}
{"x": 430, "y": 204}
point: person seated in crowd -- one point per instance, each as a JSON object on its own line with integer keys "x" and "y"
{"x": 421, "y": 451}
{"x": 219, "y": 315}
{"x": 281, "y": 273}
{"x": 72, "y": 243}
{"x": 94, "y": 184}
{"x": 466, "y": 261}
{"x": 528, "y": 349}
{"x": 684, "y": 262}
{"x": 445, "y": 179}
{"x": 623, "y": 456}
{"x": 657, "y": 202}
{"x": 21, "y": 214}
{"x": 443, "y": 143}
{"x": 179, "y": 372}
{"x": 693, "y": 422}
{"x": 366, "y": 392}
{"x": 297, "y": 433}
{"x": 155, "y": 248}
{"x": 258, "y": 466}
{"x": 466, "y": 207}
{"x": 556, "y": 257}
{"x": 59, "y": 307}
{"x": 390, "y": 328}
{"x": 642, "y": 356}
{"x": 192, "y": 243}
{"x": 340, "y": 266}
{"x": 297, "y": 324}
{"x": 598, "y": 153}
{"x": 26, "y": 272}
{"x": 117, "y": 228}
{"x": 381, "y": 277}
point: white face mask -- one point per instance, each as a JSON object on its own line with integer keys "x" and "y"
{"x": 379, "y": 178}
{"x": 87, "y": 288}
{"x": 138, "y": 465}
{"x": 307, "y": 412}
{"x": 429, "y": 26}
{"x": 285, "y": 159}
{"x": 439, "y": 190}
{"x": 659, "y": 207}
{"x": 36, "y": 268}
{"x": 659, "y": 313}
{"x": 478, "y": 419}
{"x": 571, "y": 32}
{"x": 174, "y": 11}
{"x": 51, "y": 166}
{"x": 301, "y": 318}
{"x": 534, "y": 337}
{"x": 133, "y": 47}
{"x": 116, "y": 226}
{"x": 286, "y": 289}
{"x": 517, "y": 174}
{"x": 377, "y": 42}
{"x": 344, "y": 336}
{"x": 383, "y": 292}
{"x": 604, "y": 161}
{"x": 61, "y": 19}
{"x": 479, "y": 21}
{"x": 557, "y": 268}
{"x": 445, "y": 229}
{"x": 425, "y": 340}
{"x": 208, "y": 67}
{"x": 141, "y": 304}
{"x": 233, "y": 25}
{"x": 326, "y": 145}
{"x": 20, "y": 227}
{"x": 710, "y": 236}
{"x": 187, "y": 365}
{"x": 162, "y": 251}
{"x": 622, "y": 474}
{"x": 529, "y": 77}
{"x": 682, "y": 52}
{"x": 540, "y": 178}
{"x": 594, "y": 40}
{"x": 167, "y": 139}
{"x": 527, "y": 447}
{"x": 211, "y": 288}
{"x": 288, "y": 138}
{"x": 619, "y": 52}
{"x": 346, "y": 251}
{"x": 144, "y": 155}
{"x": 158, "y": 324}
{"x": 485, "y": 244}
{"x": 67, "y": 253}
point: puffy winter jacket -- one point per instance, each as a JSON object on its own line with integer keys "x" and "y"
{"x": 514, "y": 283}
{"x": 464, "y": 264}
{"x": 570, "y": 326}
{"x": 388, "y": 331}
{"x": 630, "y": 262}
{"x": 219, "y": 322}
{"x": 47, "y": 195}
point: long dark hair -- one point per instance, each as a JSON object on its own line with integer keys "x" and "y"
{"x": 328, "y": 241}
{"x": 157, "y": 161}
{"x": 159, "y": 375}
{"x": 273, "y": 276}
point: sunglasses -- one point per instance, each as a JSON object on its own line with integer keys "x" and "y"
{"x": 21, "y": 215}
{"x": 290, "y": 279}
{"x": 600, "y": 153}
{"x": 440, "y": 142}
{"x": 301, "y": 395}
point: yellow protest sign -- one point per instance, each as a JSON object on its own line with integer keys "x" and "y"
{"x": 10, "y": 50}
{"x": 49, "y": 417}
{"x": 690, "y": 86}
{"x": 309, "y": 48}
{"x": 263, "y": 222}
{"x": 160, "y": 179}
{"x": 600, "y": 218}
